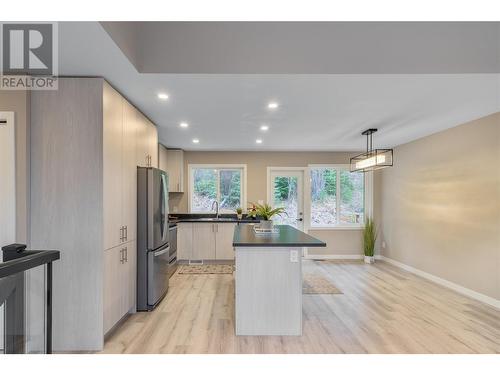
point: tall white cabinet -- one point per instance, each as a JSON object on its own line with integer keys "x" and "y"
{"x": 86, "y": 143}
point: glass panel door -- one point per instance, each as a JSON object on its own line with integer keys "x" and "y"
{"x": 286, "y": 190}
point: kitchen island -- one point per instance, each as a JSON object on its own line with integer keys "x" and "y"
{"x": 268, "y": 280}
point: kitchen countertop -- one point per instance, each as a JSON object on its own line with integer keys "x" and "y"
{"x": 207, "y": 218}
{"x": 211, "y": 220}
{"x": 288, "y": 236}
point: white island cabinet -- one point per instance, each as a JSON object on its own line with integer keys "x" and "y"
{"x": 268, "y": 280}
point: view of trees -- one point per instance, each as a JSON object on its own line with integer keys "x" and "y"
{"x": 205, "y": 189}
{"x": 285, "y": 195}
{"x": 324, "y": 197}
{"x": 224, "y": 185}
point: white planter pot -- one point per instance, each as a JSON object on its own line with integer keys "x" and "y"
{"x": 239, "y": 216}
{"x": 369, "y": 260}
{"x": 266, "y": 224}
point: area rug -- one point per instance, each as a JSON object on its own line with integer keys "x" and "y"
{"x": 315, "y": 284}
{"x": 193, "y": 269}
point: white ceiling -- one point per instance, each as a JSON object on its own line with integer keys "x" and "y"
{"x": 317, "y": 112}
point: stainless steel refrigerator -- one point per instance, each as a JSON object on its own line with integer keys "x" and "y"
{"x": 153, "y": 249}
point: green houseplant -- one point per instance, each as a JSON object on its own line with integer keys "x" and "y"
{"x": 369, "y": 238}
{"x": 266, "y": 212}
{"x": 239, "y": 213}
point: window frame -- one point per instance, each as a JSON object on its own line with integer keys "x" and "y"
{"x": 218, "y": 167}
{"x": 368, "y": 197}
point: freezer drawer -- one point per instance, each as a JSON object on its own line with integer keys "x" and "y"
{"x": 157, "y": 274}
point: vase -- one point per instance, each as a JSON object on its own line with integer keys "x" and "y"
{"x": 266, "y": 224}
{"x": 369, "y": 259}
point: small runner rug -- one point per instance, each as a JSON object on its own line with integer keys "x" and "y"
{"x": 205, "y": 269}
{"x": 315, "y": 284}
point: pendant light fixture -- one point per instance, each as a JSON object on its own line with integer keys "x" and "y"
{"x": 372, "y": 159}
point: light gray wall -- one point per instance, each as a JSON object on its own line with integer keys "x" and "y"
{"x": 441, "y": 205}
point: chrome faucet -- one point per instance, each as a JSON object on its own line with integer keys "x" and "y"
{"x": 216, "y": 208}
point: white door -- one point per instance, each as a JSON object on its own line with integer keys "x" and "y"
{"x": 286, "y": 189}
{"x": 8, "y": 184}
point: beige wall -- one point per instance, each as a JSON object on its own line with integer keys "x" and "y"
{"x": 19, "y": 102}
{"x": 441, "y": 205}
{"x": 345, "y": 242}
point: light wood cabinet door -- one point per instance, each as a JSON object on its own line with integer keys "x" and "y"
{"x": 162, "y": 160}
{"x": 203, "y": 241}
{"x": 130, "y": 277}
{"x": 142, "y": 150}
{"x": 184, "y": 241}
{"x": 224, "y": 233}
{"x": 113, "y": 287}
{"x": 120, "y": 274}
{"x": 175, "y": 169}
{"x": 153, "y": 144}
{"x": 112, "y": 166}
{"x": 129, "y": 170}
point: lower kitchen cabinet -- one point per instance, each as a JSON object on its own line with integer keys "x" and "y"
{"x": 224, "y": 241}
{"x": 184, "y": 241}
{"x": 205, "y": 241}
{"x": 119, "y": 283}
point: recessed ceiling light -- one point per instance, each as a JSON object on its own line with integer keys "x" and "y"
{"x": 259, "y": 141}
{"x": 184, "y": 125}
{"x": 162, "y": 96}
{"x": 196, "y": 140}
{"x": 264, "y": 128}
{"x": 273, "y": 105}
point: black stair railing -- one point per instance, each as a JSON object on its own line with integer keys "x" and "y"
{"x": 14, "y": 292}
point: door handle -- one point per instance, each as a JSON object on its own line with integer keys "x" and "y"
{"x": 300, "y": 219}
{"x": 158, "y": 253}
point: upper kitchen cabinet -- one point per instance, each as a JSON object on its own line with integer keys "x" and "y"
{"x": 162, "y": 157}
{"x": 175, "y": 170}
{"x": 147, "y": 142}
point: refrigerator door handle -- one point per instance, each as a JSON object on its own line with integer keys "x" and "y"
{"x": 165, "y": 207}
{"x": 161, "y": 252}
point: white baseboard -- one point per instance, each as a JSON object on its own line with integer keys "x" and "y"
{"x": 443, "y": 282}
{"x": 332, "y": 256}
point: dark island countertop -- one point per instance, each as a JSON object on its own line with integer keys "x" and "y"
{"x": 288, "y": 236}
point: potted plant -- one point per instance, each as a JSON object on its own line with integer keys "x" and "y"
{"x": 369, "y": 238}
{"x": 252, "y": 212}
{"x": 239, "y": 213}
{"x": 266, "y": 212}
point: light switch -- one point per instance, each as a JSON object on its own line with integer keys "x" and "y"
{"x": 294, "y": 256}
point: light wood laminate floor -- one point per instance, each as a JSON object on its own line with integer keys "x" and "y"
{"x": 382, "y": 310}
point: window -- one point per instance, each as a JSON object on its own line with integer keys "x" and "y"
{"x": 337, "y": 197}
{"x": 224, "y": 184}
